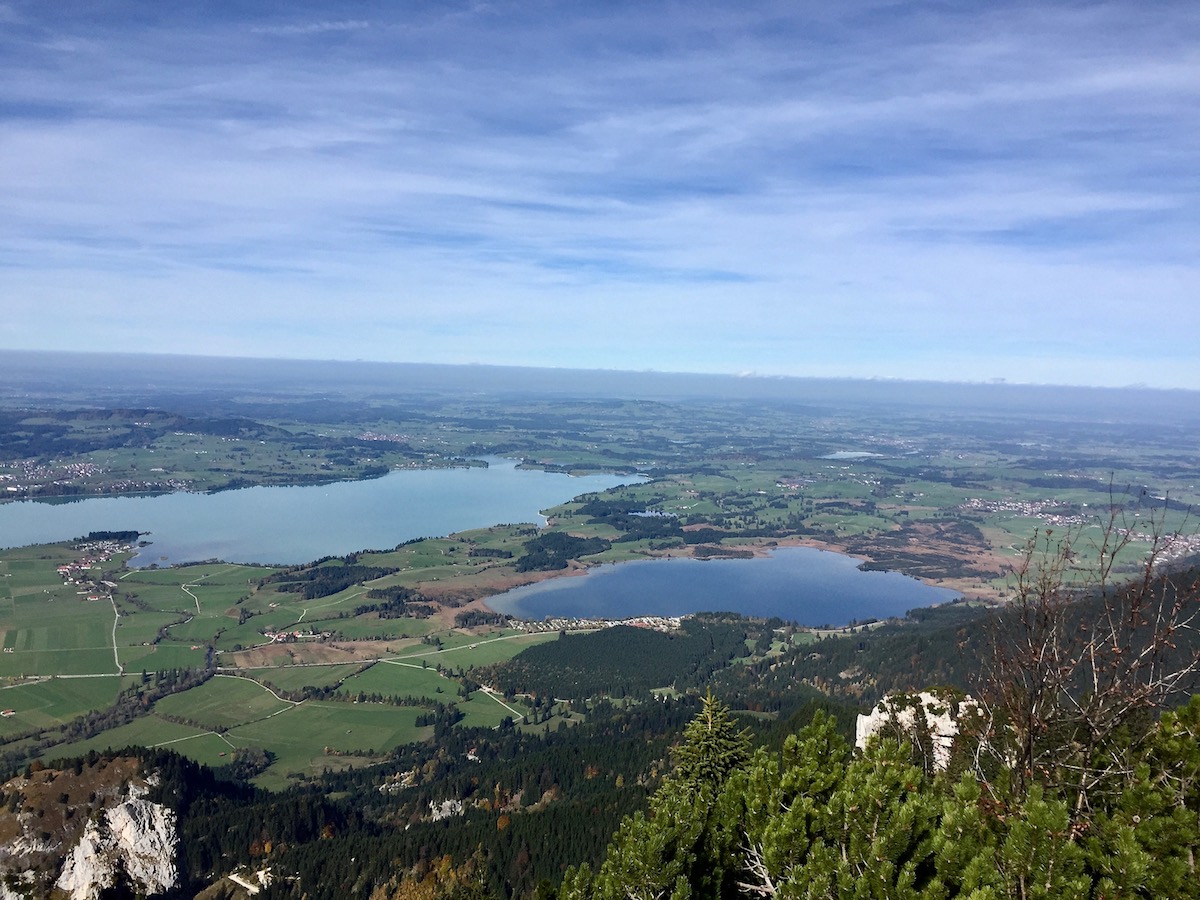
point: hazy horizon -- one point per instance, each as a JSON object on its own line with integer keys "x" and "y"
{"x": 160, "y": 380}
{"x": 235, "y": 359}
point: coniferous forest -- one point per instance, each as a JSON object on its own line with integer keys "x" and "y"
{"x": 714, "y": 756}
{"x": 1075, "y": 771}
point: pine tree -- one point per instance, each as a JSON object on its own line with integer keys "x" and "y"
{"x": 777, "y": 808}
{"x": 677, "y": 852}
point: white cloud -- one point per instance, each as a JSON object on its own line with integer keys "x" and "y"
{"x": 774, "y": 188}
{"x": 306, "y": 28}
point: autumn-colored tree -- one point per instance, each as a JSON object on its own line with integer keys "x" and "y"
{"x": 440, "y": 880}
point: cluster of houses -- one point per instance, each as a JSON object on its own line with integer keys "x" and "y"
{"x": 1056, "y": 513}
{"x": 1052, "y": 512}
{"x": 28, "y": 473}
{"x": 29, "y": 477}
{"x": 289, "y": 637}
{"x": 94, "y": 553}
{"x": 657, "y": 623}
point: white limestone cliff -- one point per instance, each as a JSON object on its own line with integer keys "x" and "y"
{"x": 134, "y": 841}
{"x": 940, "y": 715}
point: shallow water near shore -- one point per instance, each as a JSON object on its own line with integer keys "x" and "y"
{"x": 294, "y": 525}
{"x": 800, "y": 584}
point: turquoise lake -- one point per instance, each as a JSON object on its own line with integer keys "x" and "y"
{"x": 290, "y": 525}
{"x": 293, "y": 525}
{"x": 801, "y": 584}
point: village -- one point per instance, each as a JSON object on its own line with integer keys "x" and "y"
{"x": 30, "y": 478}
{"x": 95, "y": 554}
{"x": 656, "y": 623}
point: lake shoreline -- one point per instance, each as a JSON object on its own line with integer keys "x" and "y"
{"x": 812, "y": 585}
{"x": 274, "y": 524}
{"x": 968, "y": 588}
{"x": 74, "y": 493}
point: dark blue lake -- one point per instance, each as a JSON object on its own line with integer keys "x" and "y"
{"x": 801, "y": 584}
{"x": 298, "y": 524}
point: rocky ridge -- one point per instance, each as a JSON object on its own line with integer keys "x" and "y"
{"x": 78, "y": 833}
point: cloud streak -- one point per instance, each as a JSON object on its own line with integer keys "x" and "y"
{"x": 308, "y": 28}
{"x": 919, "y": 190}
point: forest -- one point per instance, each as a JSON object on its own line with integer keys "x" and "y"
{"x": 624, "y": 661}
{"x": 371, "y": 729}
{"x": 1073, "y": 774}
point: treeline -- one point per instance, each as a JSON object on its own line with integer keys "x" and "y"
{"x": 489, "y": 553}
{"x": 324, "y": 580}
{"x": 469, "y": 618}
{"x": 554, "y": 550}
{"x": 127, "y": 537}
{"x": 393, "y": 603}
{"x": 623, "y": 661}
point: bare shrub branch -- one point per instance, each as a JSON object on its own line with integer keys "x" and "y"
{"x": 1085, "y": 653}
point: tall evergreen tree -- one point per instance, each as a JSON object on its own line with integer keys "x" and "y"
{"x": 677, "y": 852}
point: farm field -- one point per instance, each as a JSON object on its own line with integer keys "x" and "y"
{"x": 388, "y": 678}
{"x": 295, "y": 678}
{"x": 488, "y": 710}
{"x": 146, "y": 731}
{"x": 467, "y": 652}
{"x": 53, "y": 701}
{"x": 145, "y": 623}
{"x": 314, "y": 736}
{"x": 948, "y": 496}
{"x": 222, "y": 702}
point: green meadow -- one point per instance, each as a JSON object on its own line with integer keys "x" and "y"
{"x": 223, "y": 702}
{"x": 487, "y": 710}
{"x": 145, "y": 731}
{"x": 295, "y": 678}
{"x": 404, "y": 679}
{"x": 43, "y": 704}
{"x": 313, "y": 736}
{"x": 466, "y": 652}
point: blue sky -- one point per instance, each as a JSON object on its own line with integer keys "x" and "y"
{"x": 923, "y": 189}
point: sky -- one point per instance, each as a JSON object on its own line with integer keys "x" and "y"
{"x": 913, "y": 189}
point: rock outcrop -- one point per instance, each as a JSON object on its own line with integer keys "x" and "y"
{"x": 134, "y": 844}
{"x": 939, "y": 720}
{"x": 77, "y": 834}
